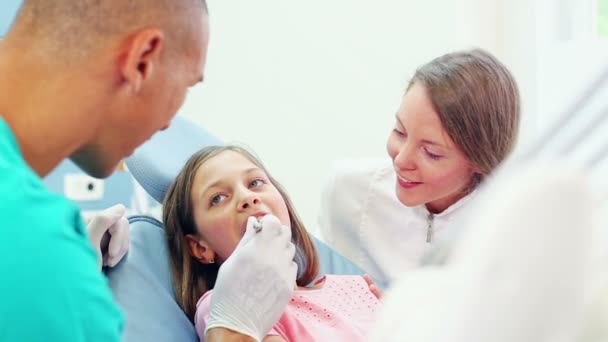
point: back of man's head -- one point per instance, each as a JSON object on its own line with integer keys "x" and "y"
{"x": 73, "y": 29}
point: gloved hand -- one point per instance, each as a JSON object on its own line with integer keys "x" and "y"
{"x": 256, "y": 282}
{"x": 109, "y": 234}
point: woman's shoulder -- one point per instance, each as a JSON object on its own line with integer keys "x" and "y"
{"x": 345, "y": 198}
{"x": 355, "y": 169}
{"x": 355, "y": 176}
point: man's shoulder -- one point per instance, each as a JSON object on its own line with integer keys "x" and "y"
{"x": 50, "y": 268}
{"x": 51, "y": 286}
{"x": 52, "y": 291}
{"x": 21, "y": 189}
{"x": 24, "y": 199}
{"x": 26, "y": 202}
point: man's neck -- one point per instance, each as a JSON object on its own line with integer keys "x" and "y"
{"x": 41, "y": 106}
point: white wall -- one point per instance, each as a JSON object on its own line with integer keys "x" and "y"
{"x": 520, "y": 36}
{"x": 569, "y": 58}
{"x": 306, "y": 83}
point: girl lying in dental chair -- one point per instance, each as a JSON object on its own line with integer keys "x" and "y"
{"x": 205, "y": 213}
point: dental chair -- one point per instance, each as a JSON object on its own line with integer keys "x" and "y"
{"x": 141, "y": 282}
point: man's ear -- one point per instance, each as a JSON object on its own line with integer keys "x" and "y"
{"x": 200, "y": 250}
{"x": 141, "y": 55}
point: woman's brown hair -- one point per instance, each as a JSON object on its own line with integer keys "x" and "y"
{"x": 478, "y": 104}
{"x": 191, "y": 279}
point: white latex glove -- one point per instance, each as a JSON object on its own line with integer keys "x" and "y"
{"x": 255, "y": 283}
{"x": 109, "y": 235}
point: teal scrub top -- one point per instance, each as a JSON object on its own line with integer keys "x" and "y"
{"x": 50, "y": 286}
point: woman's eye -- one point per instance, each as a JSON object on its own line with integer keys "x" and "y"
{"x": 398, "y": 132}
{"x": 217, "y": 199}
{"x": 432, "y": 155}
{"x": 255, "y": 183}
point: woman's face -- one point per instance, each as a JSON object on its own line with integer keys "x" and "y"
{"x": 430, "y": 169}
{"x": 227, "y": 189}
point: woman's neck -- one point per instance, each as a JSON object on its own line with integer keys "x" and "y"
{"x": 441, "y": 205}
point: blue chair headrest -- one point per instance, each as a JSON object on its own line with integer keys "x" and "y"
{"x": 157, "y": 162}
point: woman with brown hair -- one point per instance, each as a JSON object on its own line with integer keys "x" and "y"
{"x": 206, "y": 211}
{"x": 457, "y": 122}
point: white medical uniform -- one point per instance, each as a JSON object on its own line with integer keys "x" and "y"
{"x": 362, "y": 219}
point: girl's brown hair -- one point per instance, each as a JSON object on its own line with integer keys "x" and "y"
{"x": 191, "y": 279}
{"x": 478, "y": 104}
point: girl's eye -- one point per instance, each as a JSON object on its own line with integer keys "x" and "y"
{"x": 255, "y": 183}
{"x": 217, "y": 199}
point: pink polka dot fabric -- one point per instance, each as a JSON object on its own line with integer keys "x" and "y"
{"x": 341, "y": 308}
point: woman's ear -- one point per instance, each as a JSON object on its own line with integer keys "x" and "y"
{"x": 199, "y": 249}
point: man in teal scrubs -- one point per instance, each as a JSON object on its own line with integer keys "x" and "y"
{"x": 91, "y": 80}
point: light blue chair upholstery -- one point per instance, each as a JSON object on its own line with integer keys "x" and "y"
{"x": 141, "y": 282}
{"x": 8, "y": 10}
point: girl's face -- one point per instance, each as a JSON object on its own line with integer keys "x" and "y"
{"x": 227, "y": 189}
{"x": 430, "y": 169}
